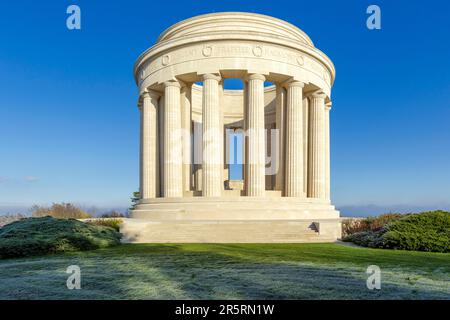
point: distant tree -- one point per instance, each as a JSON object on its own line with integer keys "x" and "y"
{"x": 135, "y": 199}
{"x": 113, "y": 214}
{"x": 59, "y": 210}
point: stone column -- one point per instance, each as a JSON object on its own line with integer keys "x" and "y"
{"x": 173, "y": 178}
{"x": 186, "y": 124}
{"x": 161, "y": 130}
{"x": 149, "y": 160}
{"x": 245, "y": 136}
{"x": 305, "y": 143}
{"x": 316, "y": 145}
{"x": 294, "y": 140}
{"x": 224, "y": 168}
{"x": 198, "y": 155}
{"x": 281, "y": 127}
{"x": 256, "y": 141}
{"x": 212, "y": 138}
{"x": 327, "y": 150}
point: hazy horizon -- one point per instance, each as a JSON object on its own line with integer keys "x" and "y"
{"x": 345, "y": 210}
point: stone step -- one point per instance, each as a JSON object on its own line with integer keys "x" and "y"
{"x": 221, "y": 231}
{"x": 228, "y": 213}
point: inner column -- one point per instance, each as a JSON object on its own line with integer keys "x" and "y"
{"x": 255, "y": 163}
{"x": 281, "y": 127}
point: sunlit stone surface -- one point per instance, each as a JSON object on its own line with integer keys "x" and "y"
{"x": 187, "y": 117}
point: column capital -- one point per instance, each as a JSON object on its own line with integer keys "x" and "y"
{"x": 208, "y": 76}
{"x": 186, "y": 85}
{"x": 328, "y": 105}
{"x": 255, "y": 76}
{"x": 317, "y": 94}
{"x": 147, "y": 93}
{"x": 172, "y": 83}
{"x": 294, "y": 83}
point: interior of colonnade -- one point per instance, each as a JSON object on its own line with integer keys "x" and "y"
{"x": 232, "y": 103}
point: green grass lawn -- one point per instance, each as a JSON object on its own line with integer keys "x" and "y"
{"x": 229, "y": 271}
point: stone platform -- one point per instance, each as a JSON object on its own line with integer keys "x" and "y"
{"x": 232, "y": 220}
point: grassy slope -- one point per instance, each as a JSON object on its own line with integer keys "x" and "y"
{"x": 215, "y": 271}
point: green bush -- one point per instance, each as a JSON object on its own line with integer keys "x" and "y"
{"x": 107, "y": 222}
{"x": 426, "y": 231}
{"x": 38, "y": 236}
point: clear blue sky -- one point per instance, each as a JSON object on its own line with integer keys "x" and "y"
{"x": 69, "y": 122}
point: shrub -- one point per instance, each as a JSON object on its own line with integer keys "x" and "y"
{"x": 107, "y": 222}
{"x": 354, "y": 225}
{"x": 113, "y": 214}
{"x": 136, "y": 197}
{"x": 371, "y": 239}
{"x": 38, "y": 236}
{"x": 60, "y": 210}
{"x": 379, "y": 222}
{"x": 6, "y": 219}
{"x": 426, "y": 231}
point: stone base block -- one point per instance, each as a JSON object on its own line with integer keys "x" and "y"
{"x": 232, "y": 220}
{"x": 231, "y": 231}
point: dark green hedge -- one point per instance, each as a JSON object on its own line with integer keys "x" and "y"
{"x": 426, "y": 231}
{"x": 38, "y": 236}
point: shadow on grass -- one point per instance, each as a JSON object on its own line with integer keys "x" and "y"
{"x": 255, "y": 271}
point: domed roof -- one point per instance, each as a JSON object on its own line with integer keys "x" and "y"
{"x": 216, "y": 24}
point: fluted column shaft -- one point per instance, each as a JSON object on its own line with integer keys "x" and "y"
{"x": 281, "y": 127}
{"x": 148, "y": 158}
{"x": 173, "y": 178}
{"x": 294, "y": 140}
{"x": 305, "y": 143}
{"x": 245, "y": 136}
{"x": 212, "y": 138}
{"x": 327, "y": 151}
{"x": 317, "y": 151}
{"x": 198, "y": 155}
{"x": 186, "y": 124}
{"x": 256, "y": 140}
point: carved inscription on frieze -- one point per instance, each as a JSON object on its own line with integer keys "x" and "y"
{"x": 242, "y": 49}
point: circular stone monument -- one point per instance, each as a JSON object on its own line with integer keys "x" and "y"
{"x": 221, "y": 165}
